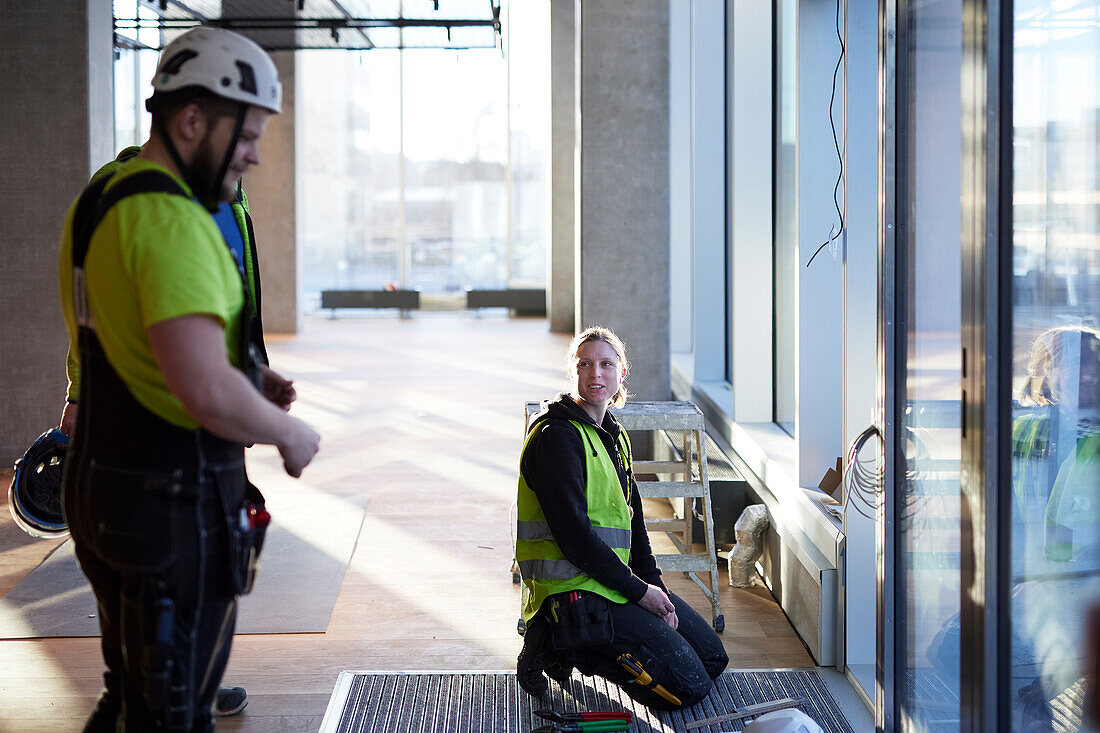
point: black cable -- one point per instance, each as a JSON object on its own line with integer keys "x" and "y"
{"x": 836, "y": 143}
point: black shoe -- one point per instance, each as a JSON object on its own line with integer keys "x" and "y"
{"x": 231, "y": 700}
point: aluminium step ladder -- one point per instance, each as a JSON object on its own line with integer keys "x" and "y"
{"x": 687, "y": 418}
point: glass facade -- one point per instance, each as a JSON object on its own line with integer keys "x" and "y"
{"x": 1055, "y": 439}
{"x": 348, "y": 171}
{"x": 422, "y": 171}
{"x": 455, "y": 170}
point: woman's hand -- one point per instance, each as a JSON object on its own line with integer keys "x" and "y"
{"x": 657, "y": 602}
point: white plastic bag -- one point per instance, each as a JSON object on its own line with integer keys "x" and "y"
{"x": 784, "y": 721}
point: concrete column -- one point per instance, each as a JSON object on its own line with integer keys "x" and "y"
{"x": 57, "y": 123}
{"x": 563, "y": 120}
{"x": 273, "y": 199}
{"x": 622, "y": 181}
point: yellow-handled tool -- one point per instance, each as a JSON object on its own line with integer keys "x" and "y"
{"x": 643, "y": 678}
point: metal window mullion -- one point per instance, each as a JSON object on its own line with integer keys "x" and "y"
{"x": 402, "y": 249}
{"x": 1003, "y": 45}
{"x": 983, "y": 607}
{"x": 727, "y": 88}
{"x": 139, "y": 109}
{"x": 509, "y": 170}
{"x": 889, "y": 665}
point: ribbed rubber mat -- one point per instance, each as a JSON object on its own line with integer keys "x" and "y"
{"x": 470, "y": 702}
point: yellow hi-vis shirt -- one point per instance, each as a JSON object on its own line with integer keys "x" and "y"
{"x": 155, "y": 256}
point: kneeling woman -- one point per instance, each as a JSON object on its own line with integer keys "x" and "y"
{"x": 592, "y": 594}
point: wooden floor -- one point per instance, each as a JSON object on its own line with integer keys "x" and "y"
{"x": 422, "y": 423}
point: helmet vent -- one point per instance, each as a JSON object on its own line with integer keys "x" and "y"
{"x": 248, "y": 78}
{"x": 172, "y": 65}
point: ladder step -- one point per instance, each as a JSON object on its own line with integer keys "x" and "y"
{"x": 687, "y": 563}
{"x": 667, "y": 525}
{"x": 668, "y": 489}
{"x": 660, "y": 467}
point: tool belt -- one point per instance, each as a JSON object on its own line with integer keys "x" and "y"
{"x": 247, "y": 519}
{"x": 580, "y": 619}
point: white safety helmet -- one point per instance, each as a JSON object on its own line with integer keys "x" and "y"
{"x": 222, "y": 62}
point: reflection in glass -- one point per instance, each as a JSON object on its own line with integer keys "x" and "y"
{"x": 1055, "y": 440}
{"x": 930, "y": 582}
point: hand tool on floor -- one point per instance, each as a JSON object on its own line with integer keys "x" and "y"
{"x": 643, "y": 678}
{"x": 555, "y": 717}
{"x": 593, "y": 726}
{"x": 749, "y": 711}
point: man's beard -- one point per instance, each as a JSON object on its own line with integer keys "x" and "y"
{"x": 205, "y": 167}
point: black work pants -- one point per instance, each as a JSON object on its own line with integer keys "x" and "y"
{"x": 684, "y": 661}
{"x": 156, "y": 553}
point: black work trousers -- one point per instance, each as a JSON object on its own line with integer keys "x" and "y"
{"x": 156, "y": 553}
{"x": 684, "y": 661}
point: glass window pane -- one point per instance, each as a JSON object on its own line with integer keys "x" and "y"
{"x": 786, "y": 210}
{"x": 348, "y": 170}
{"x": 1055, "y": 440}
{"x": 930, "y": 503}
{"x": 529, "y": 79}
{"x": 456, "y": 203}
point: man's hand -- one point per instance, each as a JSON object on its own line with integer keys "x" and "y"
{"x": 68, "y": 420}
{"x": 299, "y": 447}
{"x": 657, "y": 602}
{"x": 190, "y": 352}
{"x": 277, "y": 389}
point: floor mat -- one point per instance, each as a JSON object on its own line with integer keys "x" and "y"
{"x": 492, "y": 702}
{"x": 295, "y": 590}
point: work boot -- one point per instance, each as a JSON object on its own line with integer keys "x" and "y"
{"x": 530, "y": 663}
{"x": 558, "y": 671}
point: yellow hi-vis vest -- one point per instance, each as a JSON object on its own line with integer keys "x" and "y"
{"x": 543, "y": 567}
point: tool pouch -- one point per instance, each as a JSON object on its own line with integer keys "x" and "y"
{"x": 243, "y": 504}
{"x": 585, "y": 621}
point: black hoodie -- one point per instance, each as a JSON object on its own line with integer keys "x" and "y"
{"x": 554, "y": 468}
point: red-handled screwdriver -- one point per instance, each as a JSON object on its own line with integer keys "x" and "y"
{"x": 556, "y": 717}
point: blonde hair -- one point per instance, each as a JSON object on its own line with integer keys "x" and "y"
{"x": 1048, "y": 353}
{"x": 600, "y": 333}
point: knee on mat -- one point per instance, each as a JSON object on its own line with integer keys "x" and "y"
{"x": 688, "y": 695}
{"x": 715, "y": 663}
{"x": 688, "y": 681}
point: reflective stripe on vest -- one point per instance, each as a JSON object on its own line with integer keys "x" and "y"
{"x": 548, "y": 569}
{"x": 612, "y": 536}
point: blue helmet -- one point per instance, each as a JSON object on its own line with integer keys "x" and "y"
{"x": 34, "y": 496}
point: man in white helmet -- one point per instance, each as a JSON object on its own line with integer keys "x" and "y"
{"x": 166, "y": 525}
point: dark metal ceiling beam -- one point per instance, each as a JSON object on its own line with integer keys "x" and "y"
{"x": 261, "y": 24}
{"x": 163, "y": 5}
{"x": 339, "y": 7}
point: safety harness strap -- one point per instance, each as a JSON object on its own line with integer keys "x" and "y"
{"x": 94, "y": 204}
